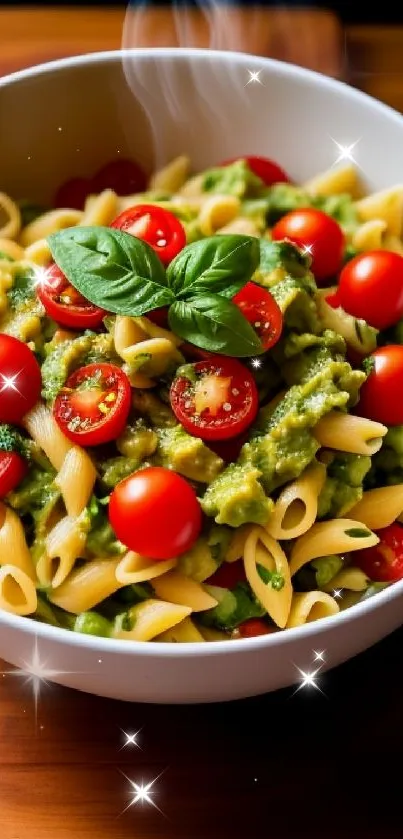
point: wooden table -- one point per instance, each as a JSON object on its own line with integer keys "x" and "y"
{"x": 306, "y": 765}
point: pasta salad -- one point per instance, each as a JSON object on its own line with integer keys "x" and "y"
{"x": 201, "y": 432}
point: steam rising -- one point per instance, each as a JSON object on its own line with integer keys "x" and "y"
{"x": 164, "y": 92}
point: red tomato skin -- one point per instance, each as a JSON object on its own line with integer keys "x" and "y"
{"x": 314, "y": 229}
{"x": 110, "y": 426}
{"x": 371, "y": 288}
{"x": 259, "y": 306}
{"x": 264, "y": 168}
{"x": 254, "y": 627}
{"x": 73, "y": 316}
{"x": 159, "y": 317}
{"x": 242, "y": 378}
{"x": 13, "y": 469}
{"x": 125, "y": 177}
{"x": 384, "y": 562}
{"x": 73, "y": 194}
{"x": 228, "y": 450}
{"x": 17, "y": 362}
{"x": 161, "y": 226}
{"x": 380, "y": 394}
{"x": 155, "y": 512}
{"x": 228, "y": 575}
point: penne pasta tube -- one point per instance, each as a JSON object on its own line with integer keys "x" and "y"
{"x": 87, "y": 586}
{"x": 134, "y": 568}
{"x": 297, "y": 506}
{"x": 379, "y": 507}
{"x": 151, "y": 618}
{"x": 13, "y": 544}
{"x": 275, "y": 599}
{"x": 17, "y": 591}
{"x": 347, "y": 433}
{"x": 311, "y": 606}
{"x": 177, "y": 588}
{"x": 337, "y": 536}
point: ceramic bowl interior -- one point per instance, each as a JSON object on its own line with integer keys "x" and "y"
{"x": 66, "y": 119}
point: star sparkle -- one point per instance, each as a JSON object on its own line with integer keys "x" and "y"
{"x": 308, "y": 680}
{"x": 319, "y": 655}
{"x": 256, "y": 363}
{"x": 337, "y": 594}
{"x": 130, "y": 739}
{"x": 42, "y": 276}
{"x": 9, "y": 382}
{"x": 141, "y": 793}
{"x": 254, "y": 77}
{"x": 36, "y": 674}
{"x": 345, "y": 152}
{"x": 307, "y": 250}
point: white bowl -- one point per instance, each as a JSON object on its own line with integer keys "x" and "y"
{"x": 67, "y": 118}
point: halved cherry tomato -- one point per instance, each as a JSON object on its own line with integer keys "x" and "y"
{"x": 125, "y": 177}
{"x": 264, "y": 168}
{"x": 254, "y": 627}
{"x": 73, "y": 194}
{"x": 65, "y": 304}
{"x": 371, "y": 288}
{"x": 218, "y": 401}
{"x": 12, "y": 470}
{"x": 261, "y": 310}
{"x": 318, "y": 235}
{"x": 160, "y": 228}
{"x": 93, "y": 406}
{"x": 380, "y": 395}
{"x": 384, "y": 562}
{"x": 20, "y": 379}
{"x": 156, "y": 513}
{"x": 228, "y": 575}
{"x": 193, "y": 353}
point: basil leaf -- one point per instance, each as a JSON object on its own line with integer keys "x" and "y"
{"x": 112, "y": 269}
{"x": 358, "y": 532}
{"x": 214, "y": 324}
{"x": 220, "y": 264}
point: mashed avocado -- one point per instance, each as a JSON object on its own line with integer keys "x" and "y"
{"x": 343, "y": 487}
{"x": 187, "y": 455}
{"x": 235, "y": 179}
{"x": 63, "y": 358}
{"x": 237, "y": 496}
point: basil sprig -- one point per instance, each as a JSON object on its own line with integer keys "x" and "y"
{"x": 123, "y": 274}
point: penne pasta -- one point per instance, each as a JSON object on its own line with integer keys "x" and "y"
{"x": 11, "y": 227}
{"x": 87, "y": 586}
{"x": 177, "y": 588}
{"x": 276, "y": 600}
{"x": 13, "y": 544}
{"x": 76, "y": 479}
{"x": 151, "y": 618}
{"x": 336, "y": 181}
{"x": 49, "y": 223}
{"x": 337, "y": 536}
{"x": 17, "y": 591}
{"x": 311, "y": 606}
{"x": 134, "y": 568}
{"x": 172, "y": 177}
{"x": 100, "y": 209}
{"x": 347, "y": 433}
{"x": 379, "y": 507}
{"x": 43, "y": 428}
{"x": 297, "y": 506}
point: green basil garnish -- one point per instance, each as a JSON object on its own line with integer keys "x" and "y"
{"x": 112, "y": 269}
{"x": 217, "y": 265}
{"x": 358, "y": 532}
{"x": 214, "y": 324}
{"x": 122, "y": 274}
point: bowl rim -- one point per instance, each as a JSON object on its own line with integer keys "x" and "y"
{"x": 155, "y": 649}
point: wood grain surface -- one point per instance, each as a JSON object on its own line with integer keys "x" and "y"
{"x": 308, "y": 765}
{"x": 302, "y": 765}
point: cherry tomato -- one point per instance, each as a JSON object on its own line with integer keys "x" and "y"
{"x": 193, "y": 353}
{"x": 254, "y": 627}
{"x": 12, "y": 470}
{"x": 384, "y": 562}
{"x": 160, "y": 228}
{"x": 371, "y": 288}
{"x": 317, "y": 234}
{"x": 218, "y": 401}
{"x": 261, "y": 310}
{"x": 73, "y": 194}
{"x": 264, "y": 168}
{"x": 93, "y": 406}
{"x": 228, "y": 575}
{"x": 155, "y": 512}
{"x": 65, "y": 304}
{"x": 380, "y": 395}
{"x": 20, "y": 379}
{"x": 125, "y": 177}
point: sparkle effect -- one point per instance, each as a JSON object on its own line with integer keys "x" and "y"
{"x": 256, "y": 363}
{"x": 9, "y": 382}
{"x": 345, "y": 152}
{"x": 41, "y": 275}
{"x": 309, "y": 678}
{"x": 337, "y": 594}
{"x": 254, "y": 77}
{"x": 142, "y": 793}
{"x": 36, "y": 674}
{"x": 130, "y": 739}
{"x": 307, "y": 250}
